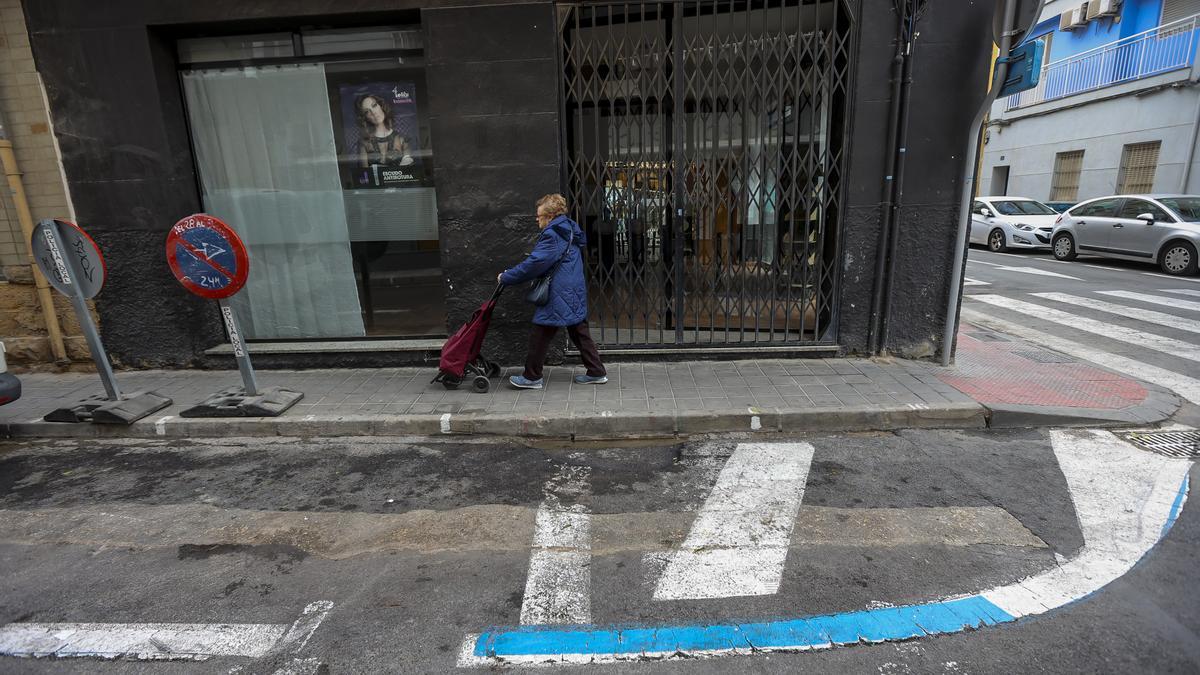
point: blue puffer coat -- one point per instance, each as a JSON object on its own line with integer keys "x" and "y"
{"x": 568, "y": 289}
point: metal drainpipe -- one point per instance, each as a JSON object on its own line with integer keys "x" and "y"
{"x": 898, "y": 189}
{"x": 874, "y": 342}
{"x": 1191, "y": 156}
{"x": 9, "y": 159}
{"x": 958, "y": 262}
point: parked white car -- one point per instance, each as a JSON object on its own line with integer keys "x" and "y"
{"x": 1163, "y": 229}
{"x": 1001, "y": 223}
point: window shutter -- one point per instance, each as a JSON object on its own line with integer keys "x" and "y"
{"x": 1065, "y": 184}
{"x": 1138, "y": 164}
{"x": 1174, "y": 10}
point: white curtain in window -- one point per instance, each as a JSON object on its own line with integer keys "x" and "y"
{"x": 268, "y": 166}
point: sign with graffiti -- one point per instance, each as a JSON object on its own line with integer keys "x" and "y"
{"x": 69, "y": 258}
{"x": 207, "y": 257}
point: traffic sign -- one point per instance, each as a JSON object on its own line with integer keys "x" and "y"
{"x": 69, "y": 258}
{"x": 207, "y": 257}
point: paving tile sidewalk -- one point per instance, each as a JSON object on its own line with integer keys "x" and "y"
{"x": 648, "y": 399}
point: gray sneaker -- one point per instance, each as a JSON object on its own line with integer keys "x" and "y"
{"x": 591, "y": 379}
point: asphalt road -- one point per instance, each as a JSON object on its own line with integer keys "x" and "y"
{"x": 1123, "y": 315}
{"x": 418, "y": 544}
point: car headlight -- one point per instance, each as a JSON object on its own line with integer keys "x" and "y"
{"x": 1023, "y": 226}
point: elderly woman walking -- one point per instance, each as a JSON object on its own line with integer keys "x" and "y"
{"x": 558, "y": 253}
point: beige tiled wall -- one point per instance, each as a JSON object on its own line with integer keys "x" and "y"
{"x": 24, "y": 109}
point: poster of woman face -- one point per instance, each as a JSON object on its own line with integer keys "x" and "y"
{"x": 381, "y": 134}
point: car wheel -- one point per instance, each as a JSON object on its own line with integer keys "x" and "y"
{"x": 997, "y": 241}
{"x": 1064, "y": 247}
{"x": 1178, "y": 259}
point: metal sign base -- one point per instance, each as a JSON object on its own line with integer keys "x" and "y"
{"x": 99, "y": 409}
{"x": 235, "y": 402}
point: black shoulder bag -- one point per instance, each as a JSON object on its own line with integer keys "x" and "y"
{"x": 539, "y": 290}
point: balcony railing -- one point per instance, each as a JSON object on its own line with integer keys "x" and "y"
{"x": 1159, "y": 50}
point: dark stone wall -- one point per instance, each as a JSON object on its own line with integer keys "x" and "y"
{"x": 492, "y": 73}
{"x": 949, "y": 82}
{"x": 110, "y": 75}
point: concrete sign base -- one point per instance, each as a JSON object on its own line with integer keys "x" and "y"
{"x": 101, "y": 410}
{"x": 234, "y": 402}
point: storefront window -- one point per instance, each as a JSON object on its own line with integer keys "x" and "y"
{"x": 325, "y": 170}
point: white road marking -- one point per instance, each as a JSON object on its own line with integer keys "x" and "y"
{"x": 1176, "y": 303}
{"x": 983, "y": 262}
{"x": 1168, "y": 276}
{"x": 142, "y": 641}
{"x": 1034, "y": 270}
{"x": 161, "y": 641}
{"x": 1109, "y": 330}
{"x": 1182, "y": 291}
{"x": 160, "y": 426}
{"x": 968, "y": 281}
{"x": 738, "y": 544}
{"x": 445, "y": 425}
{"x": 1185, "y": 386}
{"x": 1149, "y": 316}
{"x": 1123, "y": 497}
{"x": 558, "y": 589}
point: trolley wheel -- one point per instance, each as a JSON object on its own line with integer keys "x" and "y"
{"x": 493, "y": 369}
{"x": 481, "y": 384}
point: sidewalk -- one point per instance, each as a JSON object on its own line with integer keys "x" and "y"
{"x": 998, "y": 381}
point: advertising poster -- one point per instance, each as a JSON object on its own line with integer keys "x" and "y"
{"x": 381, "y": 135}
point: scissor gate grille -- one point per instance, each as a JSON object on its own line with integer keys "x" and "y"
{"x": 704, "y": 157}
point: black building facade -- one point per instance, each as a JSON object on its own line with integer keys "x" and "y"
{"x": 727, "y": 159}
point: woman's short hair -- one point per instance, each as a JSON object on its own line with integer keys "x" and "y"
{"x": 552, "y": 205}
{"x": 362, "y": 115}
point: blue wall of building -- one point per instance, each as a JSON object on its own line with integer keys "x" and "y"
{"x": 1136, "y": 16}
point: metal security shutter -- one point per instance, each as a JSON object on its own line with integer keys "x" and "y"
{"x": 1065, "y": 184}
{"x": 1174, "y": 10}
{"x": 1138, "y": 163}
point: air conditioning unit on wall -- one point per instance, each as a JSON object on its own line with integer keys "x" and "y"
{"x": 1099, "y": 8}
{"x": 1073, "y": 18}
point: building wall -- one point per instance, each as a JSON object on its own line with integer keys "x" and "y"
{"x": 23, "y": 108}
{"x": 1101, "y": 129}
{"x": 110, "y": 74}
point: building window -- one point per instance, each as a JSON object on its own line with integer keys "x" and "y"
{"x": 1174, "y": 10}
{"x": 1138, "y": 163}
{"x": 1065, "y": 185}
{"x": 322, "y": 161}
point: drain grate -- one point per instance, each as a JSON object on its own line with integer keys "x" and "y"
{"x": 1043, "y": 356}
{"x": 1183, "y": 444}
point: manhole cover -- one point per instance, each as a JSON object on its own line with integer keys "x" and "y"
{"x": 1185, "y": 444}
{"x": 1043, "y": 356}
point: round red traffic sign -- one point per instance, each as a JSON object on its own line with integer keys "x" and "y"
{"x": 207, "y": 257}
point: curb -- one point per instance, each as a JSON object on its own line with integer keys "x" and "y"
{"x": 599, "y": 426}
{"x": 1159, "y": 406}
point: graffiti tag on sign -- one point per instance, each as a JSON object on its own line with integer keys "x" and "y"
{"x": 235, "y": 336}
{"x": 68, "y": 257}
{"x": 207, "y": 256}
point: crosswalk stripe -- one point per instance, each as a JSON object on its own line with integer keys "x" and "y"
{"x": 1182, "y": 291}
{"x": 1183, "y": 385}
{"x": 968, "y": 281}
{"x": 739, "y": 543}
{"x": 1155, "y": 299}
{"x": 1149, "y": 316}
{"x": 1134, "y": 337}
{"x": 558, "y": 586}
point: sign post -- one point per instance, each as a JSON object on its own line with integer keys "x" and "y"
{"x": 210, "y": 260}
{"x": 75, "y": 267}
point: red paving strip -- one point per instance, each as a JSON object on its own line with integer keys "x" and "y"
{"x": 995, "y": 372}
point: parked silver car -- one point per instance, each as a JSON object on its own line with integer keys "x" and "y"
{"x": 1011, "y": 222}
{"x": 1164, "y": 229}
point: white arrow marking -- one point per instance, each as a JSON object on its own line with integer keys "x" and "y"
{"x": 1034, "y": 270}
{"x": 739, "y": 542}
{"x": 210, "y": 250}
